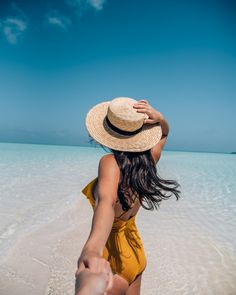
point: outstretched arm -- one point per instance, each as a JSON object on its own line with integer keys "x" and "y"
{"x": 108, "y": 179}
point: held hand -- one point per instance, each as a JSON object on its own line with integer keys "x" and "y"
{"x": 93, "y": 261}
{"x": 96, "y": 264}
{"x": 91, "y": 283}
{"x": 142, "y": 106}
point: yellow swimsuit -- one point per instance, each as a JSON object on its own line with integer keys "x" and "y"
{"x": 124, "y": 249}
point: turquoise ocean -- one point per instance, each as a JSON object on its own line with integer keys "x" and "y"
{"x": 38, "y": 182}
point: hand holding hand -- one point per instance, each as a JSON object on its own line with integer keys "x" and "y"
{"x": 91, "y": 283}
{"x": 94, "y": 263}
{"x": 143, "y": 106}
{"x": 92, "y": 260}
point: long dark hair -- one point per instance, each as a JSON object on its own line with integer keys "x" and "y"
{"x": 139, "y": 178}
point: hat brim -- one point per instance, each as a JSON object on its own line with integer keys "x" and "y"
{"x": 97, "y": 127}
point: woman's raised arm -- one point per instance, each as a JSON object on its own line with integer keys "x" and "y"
{"x": 154, "y": 117}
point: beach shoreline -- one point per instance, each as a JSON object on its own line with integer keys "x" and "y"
{"x": 44, "y": 261}
{"x": 189, "y": 243}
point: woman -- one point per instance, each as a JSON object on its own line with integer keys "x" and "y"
{"x": 127, "y": 179}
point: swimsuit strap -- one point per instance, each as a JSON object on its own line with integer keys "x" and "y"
{"x": 127, "y": 211}
{"x": 88, "y": 191}
{"x": 121, "y": 214}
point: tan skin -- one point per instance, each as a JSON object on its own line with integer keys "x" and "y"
{"x": 106, "y": 193}
{"x": 91, "y": 283}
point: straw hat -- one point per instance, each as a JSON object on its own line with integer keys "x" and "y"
{"x": 117, "y": 125}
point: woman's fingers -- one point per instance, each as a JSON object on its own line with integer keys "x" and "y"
{"x": 153, "y": 115}
{"x": 102, "y": 280}
{"x": 141, "y": 108}
{"x": 92, "y": 263}
{"x": 94, "y": 282}
{"x": 103, "y": 266}
{"x": 97, "y": 264}
{"x": 110, "y": 281}
{"x": 149, "y": 121}
{"x": 140, "y": 105}
{"x": 143, "y": 100}
{"x": 144, "y": 111}
{"x": 81, "y": 267}
{"x": 109, "y": 274}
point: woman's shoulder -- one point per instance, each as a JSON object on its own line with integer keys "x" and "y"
{"x": 108, "y": 166}
{"x": 108, "y": 160}
{"x": 108, "y": 178}
{"x": 108, "y": 156}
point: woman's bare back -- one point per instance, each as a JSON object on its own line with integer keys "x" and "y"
{"x": 126, "y": 215}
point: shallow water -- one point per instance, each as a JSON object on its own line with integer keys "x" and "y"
{"x": 190, "y": 244}
{"x": 36, "y": 181}
{"x": 208, "y": 183}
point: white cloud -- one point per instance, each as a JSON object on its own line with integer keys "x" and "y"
{"x": 97, "y": 4}
{"x": 15, "y": 25}
{"x": 53, "y": 20}
{"x": 59, "y": 20}
{"x": 13, "y": 28}
{"x": 81, "y": 6}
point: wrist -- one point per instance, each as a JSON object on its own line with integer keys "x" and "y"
{"x": 91, "y": 249}
{"x": 164, "y": 124}
{"x": 159, "y": 117}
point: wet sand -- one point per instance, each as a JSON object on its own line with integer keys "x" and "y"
{"x": 45, "y": 220}
{"x": 182, "y": 259}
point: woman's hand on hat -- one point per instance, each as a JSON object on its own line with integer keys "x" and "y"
{"x": 142, "y": 106}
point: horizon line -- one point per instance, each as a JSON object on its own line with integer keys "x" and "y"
{"x": 92, "y": 146}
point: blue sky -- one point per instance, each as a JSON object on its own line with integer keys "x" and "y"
{"x": 59, "y": 58}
